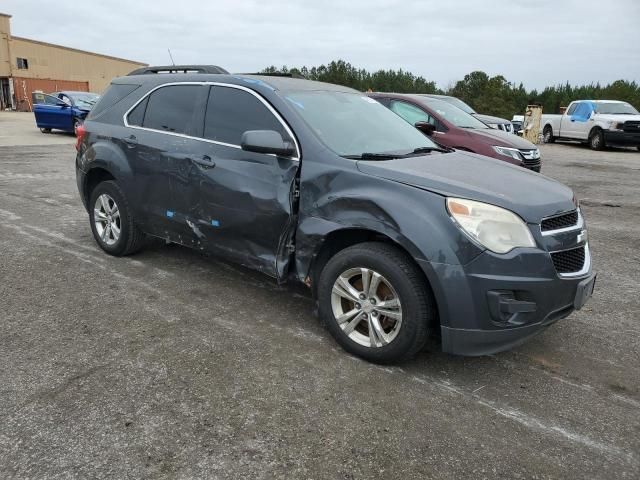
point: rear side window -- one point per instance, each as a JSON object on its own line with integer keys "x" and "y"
{"x": 171, "y": 109}
{"x": 137, "y": 114}
{"x": 111, "y": 96}
{"x": 231, "y": 112}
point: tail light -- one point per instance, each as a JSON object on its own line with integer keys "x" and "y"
{"x": 80, "y": 131}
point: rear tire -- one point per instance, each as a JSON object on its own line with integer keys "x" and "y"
{"x": 596, "y": 139}
{"x": 112, "y": 222}
{"x": 382, "y": 312}
{"x": 547, "y": 135}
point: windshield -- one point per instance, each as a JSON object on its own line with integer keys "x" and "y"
{"x": 457, "y": 103}
{"x": 454, "y": 115}
{"x": 615, "y": 108}
{"x": 351, "y": 124}
{"x": 84, "y": 100}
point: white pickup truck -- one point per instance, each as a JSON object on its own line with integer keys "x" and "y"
{"x": 596, "y": 122}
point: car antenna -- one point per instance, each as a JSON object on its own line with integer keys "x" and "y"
{"x": 171, "y": 57}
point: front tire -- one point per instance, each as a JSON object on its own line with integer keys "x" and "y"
{"x": 596, "y": 139}
{"x": 375, "y": 302}
{"x": 112, "y": 222}
{"x": 547, "y": 135}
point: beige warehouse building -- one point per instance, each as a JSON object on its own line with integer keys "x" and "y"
{"x": 28, "y": 65}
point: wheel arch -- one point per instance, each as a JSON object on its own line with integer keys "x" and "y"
{"x": 93, "y": 178}
{"x": 341, "y": 238}
{"x": 103, "y": 161}
{"x": 595, "y": 129}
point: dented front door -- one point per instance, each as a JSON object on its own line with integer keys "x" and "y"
{"x": 240, "y": 204}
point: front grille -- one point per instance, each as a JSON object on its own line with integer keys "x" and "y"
{"x": 631, "y": 126}
{"x": 569, "y": 261}
{"x": 565, "y": 220}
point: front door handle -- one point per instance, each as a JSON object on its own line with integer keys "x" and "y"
{"x": 131, "y": 141}
{"x": 204, "y": 161}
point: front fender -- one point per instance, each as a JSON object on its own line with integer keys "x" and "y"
{"x": 413, "y": 218}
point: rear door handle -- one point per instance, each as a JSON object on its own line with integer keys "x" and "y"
{"x": 204, "y": 161}
{"x": 131, "y": 141}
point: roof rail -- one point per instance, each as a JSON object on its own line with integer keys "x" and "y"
{"x": 179, "y": 69}
{"x": 277, "y": 74}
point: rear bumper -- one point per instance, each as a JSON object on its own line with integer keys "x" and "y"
{"x": 497, "y": 302}
{"x": 622, "y": 138}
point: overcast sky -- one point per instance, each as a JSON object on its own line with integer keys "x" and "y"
{"x": 537, "y": 42}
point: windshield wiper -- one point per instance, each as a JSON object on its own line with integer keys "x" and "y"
{"x": 432, "y": 149}
{"x": 373, "y": 156}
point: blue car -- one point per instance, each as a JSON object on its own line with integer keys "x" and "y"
{"x": 62, "y": 110}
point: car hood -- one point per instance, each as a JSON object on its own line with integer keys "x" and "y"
{"x": 619, "y": 118}
{"x": 490, "y": 119}
{"x": 476, "y": 177}
{"x": 493, "y": 136}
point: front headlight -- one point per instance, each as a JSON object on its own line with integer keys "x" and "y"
{"x": 509, "y": 152}
{"x": 615, "y": 125}
{"x": 493, "y": 227}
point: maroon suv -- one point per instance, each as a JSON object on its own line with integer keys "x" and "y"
{"x": 448, "y": 125}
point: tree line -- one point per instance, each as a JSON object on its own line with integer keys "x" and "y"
{"x": 486, "y": 94}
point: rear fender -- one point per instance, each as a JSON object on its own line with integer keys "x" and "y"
{"x": 107, "y": 156}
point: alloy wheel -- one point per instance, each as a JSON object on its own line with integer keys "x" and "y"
{"x": 107, "y": 220}
{"x": 366, "y": 307}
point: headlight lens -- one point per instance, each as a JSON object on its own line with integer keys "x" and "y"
{"x": 495, "y": 228}
{"x": 509, "y": 152}
{"x": 615, "y": 125}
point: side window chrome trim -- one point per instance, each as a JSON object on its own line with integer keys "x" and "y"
{"x": 273, "y": 111}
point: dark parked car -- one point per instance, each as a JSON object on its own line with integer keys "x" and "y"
{"x": 317, "y": 183}
{"x": 62, "y": 110}
{"x": 450, "y": 126}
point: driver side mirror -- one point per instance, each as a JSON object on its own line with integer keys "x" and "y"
{"x": 266, "y": 141}
{"x": 425, "y": 127}
{"x": 62, "y": 104}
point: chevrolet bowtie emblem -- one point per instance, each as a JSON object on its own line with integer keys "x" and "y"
{"x": 582, "y": 236}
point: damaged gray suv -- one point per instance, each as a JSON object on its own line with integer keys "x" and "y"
{"x": 397, "y": 238}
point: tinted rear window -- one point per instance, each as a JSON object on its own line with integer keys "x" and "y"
{"x": 113, "y": 94}
{"x": 231, "y": 112}
{"x": 172, "y": 108}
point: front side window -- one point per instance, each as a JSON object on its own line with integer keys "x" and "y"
{"x": 172, "y": 108}
{"x": 231, "y": 112}
{"x": 572, "y": 108}
{"x": 410, "y": 113}
{"x": 351, "y": 123}
{"x": 43, "y": 98}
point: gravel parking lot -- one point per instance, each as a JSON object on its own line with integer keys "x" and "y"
{"x": 170, "y": 364}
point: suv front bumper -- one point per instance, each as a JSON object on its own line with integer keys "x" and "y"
{"x": 499, "y": 301}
